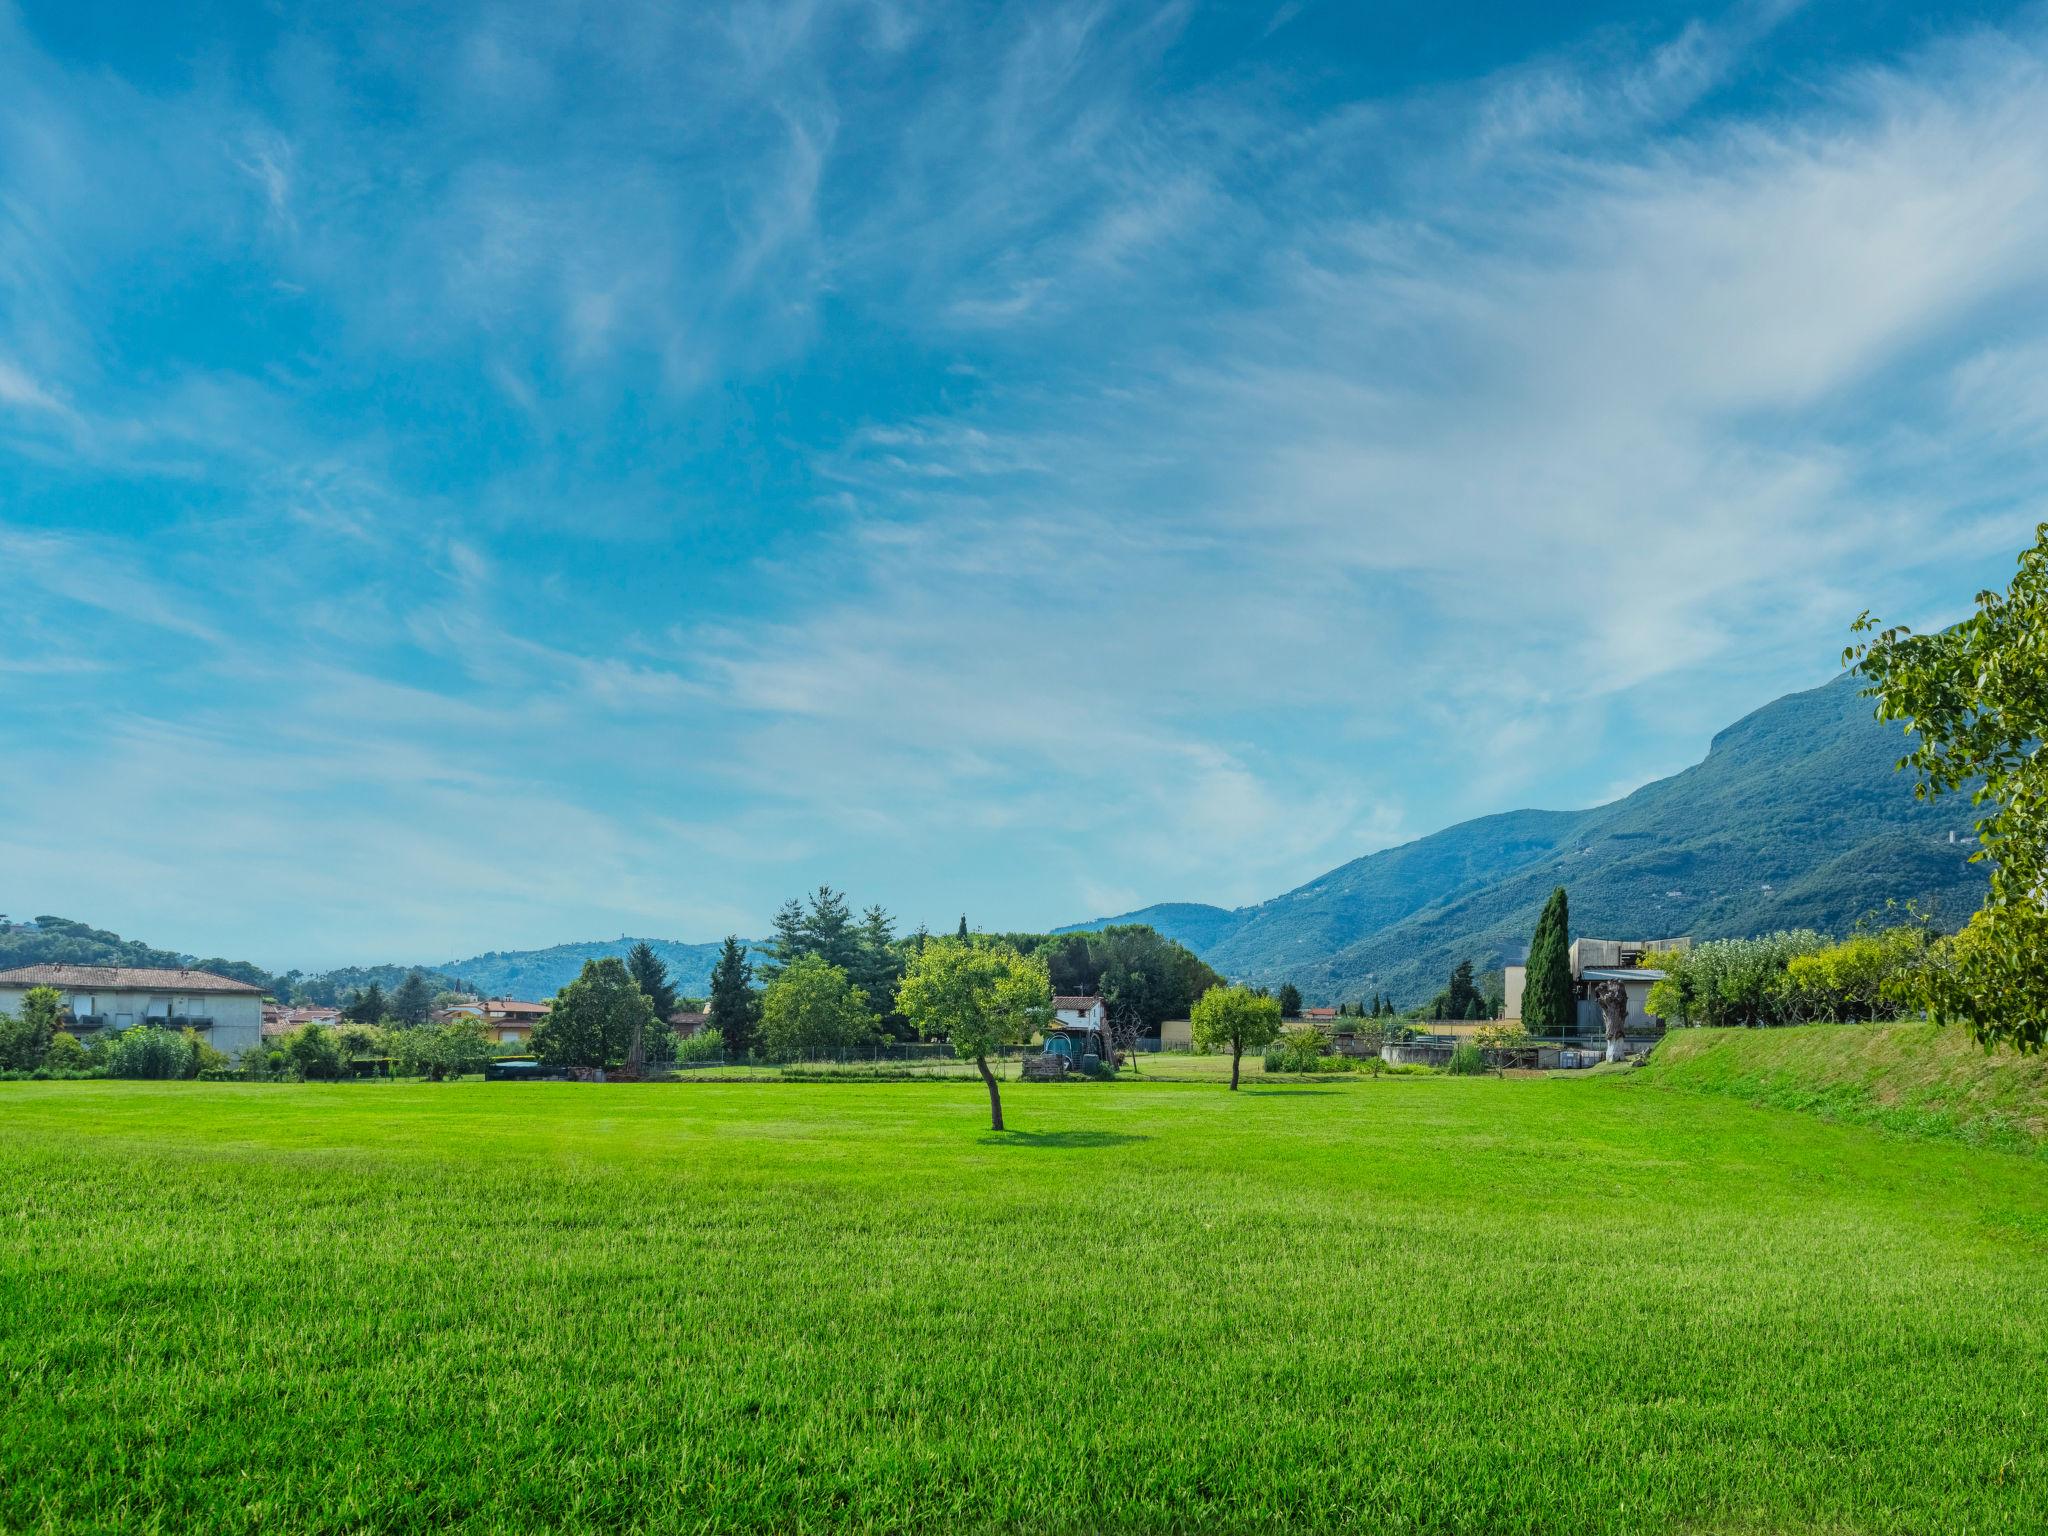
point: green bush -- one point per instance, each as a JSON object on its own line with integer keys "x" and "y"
{"x": 147, "y": 1051}
{"x": 705, "y": 1045}
{"x": 1467, "y": 1060}
{"x": 65, "y": 1054}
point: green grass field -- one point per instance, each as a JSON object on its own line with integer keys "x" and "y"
{"x": 1418, "y": 1304}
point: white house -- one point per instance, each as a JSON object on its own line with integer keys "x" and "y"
{"x": 228, "y": 1014}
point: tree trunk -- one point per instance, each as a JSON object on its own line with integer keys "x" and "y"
{"x": 995, "y": 1096}
{"x": 1236, "y": 1054}
{"x": 636, "y": 1060}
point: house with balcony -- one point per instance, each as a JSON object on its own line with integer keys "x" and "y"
{"x": 228, "y": 1014}
{"x": 506, "y": 1020}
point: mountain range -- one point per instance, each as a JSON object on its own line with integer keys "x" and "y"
{"x": 1795, "y": 818}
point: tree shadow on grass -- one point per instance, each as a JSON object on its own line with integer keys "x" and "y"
{"x": 1060, "y": 1139}
{"x": 1275, "y": 1091}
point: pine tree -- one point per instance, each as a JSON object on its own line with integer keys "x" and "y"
{"x": 651, "y": 976}
{"x": 367, "y": 1006}
{"x": 879, "y": 969}
{"x": 963, "y": 926}
{"x": 1290, "y": 1001}
{"x": 413, "y": 1000}
{"x": 791, "y": 940}
{"x": 735, "y": 1006}
{"x": 828, "y": 930}
{"x": 1549, "y": 1009}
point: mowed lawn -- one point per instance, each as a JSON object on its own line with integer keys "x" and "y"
{"x": 1410, "y": 1305}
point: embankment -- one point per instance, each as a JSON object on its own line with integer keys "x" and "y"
{"x": 1914, "y": 1079}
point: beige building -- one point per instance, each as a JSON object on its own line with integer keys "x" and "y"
{"x": 1632, "y": 962}
{"x": 506, "y": 1020}
{"x": 228, "y": 1014}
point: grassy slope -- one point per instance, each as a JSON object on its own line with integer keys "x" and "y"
{"x": 239, "y": 1307}
{"x": 1905, "y": 1077}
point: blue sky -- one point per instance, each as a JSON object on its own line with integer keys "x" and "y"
{"x": 484, "y": 475}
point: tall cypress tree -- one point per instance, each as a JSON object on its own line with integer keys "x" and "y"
{"x": 735, "y": 1007}
{"x": 963, "y": 925}
{"x": 1548, "y": 1005}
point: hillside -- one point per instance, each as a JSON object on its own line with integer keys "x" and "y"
{"x": 541, "y": 973}
{"x": 1796, "y": 817}
{"x": 61, "y": 941}
{"x": 1914, "y": 1079}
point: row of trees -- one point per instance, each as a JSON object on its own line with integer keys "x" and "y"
{"x": 1798, "y": 977}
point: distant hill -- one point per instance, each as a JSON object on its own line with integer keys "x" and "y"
{"x": 537, "y": 974}
{"x": 62, "y": 941}
{"x": 1796, "y": 818}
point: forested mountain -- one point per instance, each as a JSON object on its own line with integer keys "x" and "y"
{"x": 538, "y": 974}
{"x": 1796, "y": 817}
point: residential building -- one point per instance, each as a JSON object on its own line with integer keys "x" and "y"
{"x": 506, "y": 1020}
{"x": 687, "y": 1022}
{"x": 282, "y": 1021}
{"x": 228, "y": 1014}
{"x": 1632, "y": 962}
{"x": 1079, "y": 1027}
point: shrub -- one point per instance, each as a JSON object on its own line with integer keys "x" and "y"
{"x": 705, "y": 1045}
{"x": 1300, "y": 1049}
{"x": 65, "y": 1054}
{"x": 149, "y": 1052}
{"x": 312, "y": 1052}
{"x": 1467, "y": 1060}
{"x": 1275, "y": 1061}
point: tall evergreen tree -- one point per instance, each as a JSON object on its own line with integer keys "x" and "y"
{"x": 879, "y": 969}
{"x": 963, "y": 926}
{"x": 367, "y": 1006}
{"x": 1548, "y": 1006}
{"x": 829, "y": 931}
{"x": 791, "y": 940}
{"x": 413, "y": 1000}
{"x": 735, "y": 1006}
{"x": 651, "y": 976}
{"x": 1290, "y": 1001}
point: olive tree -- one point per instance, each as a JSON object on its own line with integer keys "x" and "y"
{"x": 978, "y": 996}
{"x": 1237, "y": 1019}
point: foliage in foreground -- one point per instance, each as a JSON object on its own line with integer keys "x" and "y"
{"x": 980, "y": 996}
{"x": 1796, "y": 977}
{"x": 1976, "y": 697}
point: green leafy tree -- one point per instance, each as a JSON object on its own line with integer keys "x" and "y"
{"x": 313, "y": 1052}
{"x": 412, "y": 1002}
{"x": 1236, "y": 1019}
{"x": 812, "y": 1006}
{"x": 1290, "y": 1001}
{"x": 148, "y": 1052}
{"x": 26, "y": 1038}
{"x": 367, "y": 1006}
{"x": 593, "y": 1020}
{"x": 1976, "y": 698}
{"x": 1549, "y": 1005}
{"x": 735, "y": 1006}
{"x": 980, "y": 998}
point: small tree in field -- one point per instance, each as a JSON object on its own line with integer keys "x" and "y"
{"x": 979, "y": 997}
{"x": 1236, "y": 1018}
